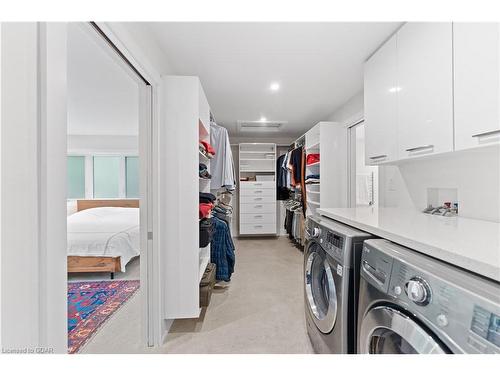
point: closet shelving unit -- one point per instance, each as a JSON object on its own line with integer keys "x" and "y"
{"x": 257, "y": 161}
{"x": 313, "y": 191}
{"x": 320, "y": 139}
{"x": 185, "y": 120}
{"x": 204, "y": 187}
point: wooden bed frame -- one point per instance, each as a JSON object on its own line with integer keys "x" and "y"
{"x": 78, "y": 264}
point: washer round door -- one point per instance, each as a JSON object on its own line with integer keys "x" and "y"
{"x": 320, "y": 291}
{"x": 385, "y": 330}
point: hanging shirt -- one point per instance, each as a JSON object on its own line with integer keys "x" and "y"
{"x": 222, "y": 165}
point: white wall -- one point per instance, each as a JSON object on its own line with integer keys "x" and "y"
{"x": 33, "y": 122}
{"x": 475, "y": 174}
{"x": 88, "y": 144}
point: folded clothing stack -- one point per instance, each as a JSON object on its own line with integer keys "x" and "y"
{"x": 203, "y": 172}
{"x": 312, "y": 179}
{"x": 207, "y": 198}
{"x": 206, "y": 149}
{"x": 312, "y": 158}
{"x": 206, "y": 231}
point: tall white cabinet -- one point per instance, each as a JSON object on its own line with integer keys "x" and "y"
{"x": 476, "y": 48}
{"x": 381, "y": 104}
{"x": 425, "y": 96}
{"x": 185, "y": 120}
{"x": 257, "y": 162}
{"x": 433, "y": 88}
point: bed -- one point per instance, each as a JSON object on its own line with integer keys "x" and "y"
{"x": 103, "y": 235}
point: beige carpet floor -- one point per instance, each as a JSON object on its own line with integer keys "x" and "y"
{"x": 262, "y": 311}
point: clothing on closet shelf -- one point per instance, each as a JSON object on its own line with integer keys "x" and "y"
{"x": 312, "y": 158}
{"x": 203, "y": 172}
{"x": 222, "y": 165}
{"x": 312, "y": 181}
{"x": 207, "y": 149}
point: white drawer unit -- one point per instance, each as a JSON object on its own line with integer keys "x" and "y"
{"x": 257, "y": 185}
{"x": 257, "y": 218}
{"x": 251, "y": 208}
{"x": 258, "y": 193}
{"x": 256, "y": 228}
{"x": 257, "y": 197}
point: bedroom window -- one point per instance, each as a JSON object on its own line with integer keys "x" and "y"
{"x": 132, "y": 176}
{"x": 107, "y": 176}
{"x": 76, "y": 177}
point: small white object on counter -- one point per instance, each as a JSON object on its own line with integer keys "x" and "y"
{"x": 467, "y": 243}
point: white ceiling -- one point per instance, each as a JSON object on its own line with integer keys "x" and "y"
{"x": 103, "y": 98}
{"x": 318, "y": 65}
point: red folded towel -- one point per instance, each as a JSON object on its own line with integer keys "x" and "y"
{"x": 208, "y": 147}
{"x": 312, "y": 158}
{"x": 204, "y": 210}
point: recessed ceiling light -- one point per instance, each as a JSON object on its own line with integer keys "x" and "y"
{"x": 263, "y": 119}
{"x": 275, "y": 86}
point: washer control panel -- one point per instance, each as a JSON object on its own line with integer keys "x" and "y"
{"x": 461, "y": 309}
{"x": 452, "y": 310}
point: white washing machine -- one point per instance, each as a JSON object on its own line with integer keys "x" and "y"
{"x": 331, "y": 276}
{"x": 411, "y": 303}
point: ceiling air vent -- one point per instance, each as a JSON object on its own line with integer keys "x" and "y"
{"x": 260, "y": 126}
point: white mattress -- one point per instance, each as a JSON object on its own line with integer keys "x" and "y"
{"x": 105, "y": 231}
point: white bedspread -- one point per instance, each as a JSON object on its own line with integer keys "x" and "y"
{"x": 105, "y": 231}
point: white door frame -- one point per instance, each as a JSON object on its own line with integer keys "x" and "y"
{"x": 351, "y": 159}
{"x": 148, "y": 270}
{"x": 148, "y": 116}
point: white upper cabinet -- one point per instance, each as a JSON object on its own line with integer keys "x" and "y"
{"x": 381, "y": 88}
{"x": 477, "y": 84}
{"x": 425, "y": 96}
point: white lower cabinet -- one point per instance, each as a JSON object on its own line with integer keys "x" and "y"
{"x": 425, "y": 81}
{"x": 477, "y": 84}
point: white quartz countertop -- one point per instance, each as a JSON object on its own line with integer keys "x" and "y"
{"x": 468, "y": 243}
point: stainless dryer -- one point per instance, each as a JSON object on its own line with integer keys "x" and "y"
{"x": 331, "y": 276}
{"x": 411, "y": 303}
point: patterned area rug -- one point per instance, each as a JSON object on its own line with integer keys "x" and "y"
{"x": 90, "y": 304}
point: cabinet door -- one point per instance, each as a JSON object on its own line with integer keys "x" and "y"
{"x": 381, "y": 90}
{"x": 477, "y": 81}
{"x": 425, "y": 99}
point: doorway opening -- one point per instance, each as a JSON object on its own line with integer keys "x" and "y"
{"x": 363, "y": 179}
{"x": 108, "y": 195}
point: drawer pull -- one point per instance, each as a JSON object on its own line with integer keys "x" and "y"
{"x": 419, "y": 148}
{"x": 257, "y": 191}
{"x": 257, "y": 226}
{"x": 258, "y": 206}
{"x": 258, "y": 216}
{"x": 378, "y": 157}
{"x": 491, "y": 132}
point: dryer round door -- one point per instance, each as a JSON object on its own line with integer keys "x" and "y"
{"x": 320, "y": 291}
{"x": 385, "y": 330}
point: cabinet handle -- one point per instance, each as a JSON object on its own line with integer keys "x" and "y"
{"x": 257, "y": 216}
{"x": 378, "y": 157}
{"x": 257, "y": 184}
{"x": 258, "y": 206}
{"x": 257, "y": 191}
{"x": 257, "y": 199}
{"x": 419, "y": 148}
{"x": 486, "y": 133}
